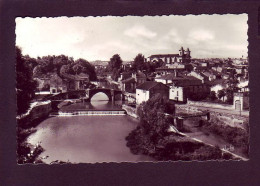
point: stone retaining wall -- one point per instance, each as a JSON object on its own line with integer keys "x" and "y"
{"x": 211, "y": 105}
{"x": 131, "y": 111}
{"x": 225, "y": 118}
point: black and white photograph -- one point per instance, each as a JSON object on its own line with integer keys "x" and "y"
{"x": 132, "y": 89}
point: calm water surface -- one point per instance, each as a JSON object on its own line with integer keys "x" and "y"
{"x": 87, "y": 139}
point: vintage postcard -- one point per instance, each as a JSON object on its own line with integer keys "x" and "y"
{"x": 132, "y": 88}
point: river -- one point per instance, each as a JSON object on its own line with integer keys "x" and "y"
{"x": 87, "y": 139}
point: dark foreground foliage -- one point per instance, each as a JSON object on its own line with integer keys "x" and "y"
{"x": 152, "y": 138}
{"x": 173, "y": 147}
{"x": 27, "y": 153}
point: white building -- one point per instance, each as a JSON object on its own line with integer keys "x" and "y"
{"x": 217, "y": 88}
{"x": 165, "y": 79}
{"x": 176, "y": 93}
{"x": 184, "y": 87}
{"x": 148, "y": 89}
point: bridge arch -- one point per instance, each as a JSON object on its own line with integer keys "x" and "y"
{"x": 111, "y": 93}
{"x": 93, "y": 92}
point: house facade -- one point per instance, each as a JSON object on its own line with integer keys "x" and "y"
{"x": 148, "y": 89}
{"x": 186, "y": 87}
{"x": 76, "y": 82}
{"x": 57, "y": 84}
{"x": 129, "y": 84}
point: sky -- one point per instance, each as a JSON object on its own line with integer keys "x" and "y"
{"x": 99, "y": 38}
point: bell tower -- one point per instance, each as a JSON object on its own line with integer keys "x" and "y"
{"x": 187, "y": 52}
{"x": 181, "y": 51}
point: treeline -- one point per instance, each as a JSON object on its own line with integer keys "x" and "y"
{"x": 42, "y": 66}
{"x": 115, "y": 66}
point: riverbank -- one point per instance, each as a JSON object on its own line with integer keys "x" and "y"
{"x": 174, "y": 147}
{"x": 26, "y": 152}
{"x": 238, "y": 138}
{"x": 153, "y": 139}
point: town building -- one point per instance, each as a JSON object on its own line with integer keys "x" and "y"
{"x": 173, "y": 62}
{"x": 199, "y": 75}
{"x": 165, "y": 79}
{"x": 188, "y": 87}
{"x": 241, "y": 101}
{"x": 57, "y": 84}
{"x": 182, "y": 57}
{"x": 129, "y": 84}
{"x": 217, "y": 85}
{"x": 43, "y": 83}
{"x": 76, "y": 82}
{"x": 148, "y": 89}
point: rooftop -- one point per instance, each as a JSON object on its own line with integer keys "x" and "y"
{"x": 164, "y": 55}
{"x": 129, "y": 80}
{"x": 148, "y": 85}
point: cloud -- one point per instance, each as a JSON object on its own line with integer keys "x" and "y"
{"x": 173, "y": 37}
{"x": 200, "y": 35}
{"x": 138, "y": 31}
{"x": 94, "y": 37}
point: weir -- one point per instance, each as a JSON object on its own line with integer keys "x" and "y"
{"x": 90, "y": 113}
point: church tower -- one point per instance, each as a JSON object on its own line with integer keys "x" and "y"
{"x": 187, "y": 52}
{"x": 181, "y": 51}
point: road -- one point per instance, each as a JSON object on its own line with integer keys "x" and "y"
{"x": 233, "y": 112}
{"x": 210, "y": 139}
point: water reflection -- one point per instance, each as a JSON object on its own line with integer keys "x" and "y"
{"x": 99, "y": 101}
{"x": 87, "y": 139}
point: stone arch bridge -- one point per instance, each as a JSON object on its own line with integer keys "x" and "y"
{"x": 111, "y": 93}
{"x": 86, "y": 94}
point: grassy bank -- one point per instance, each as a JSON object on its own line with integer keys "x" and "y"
{"x": 173, "y": 147}
{"x": 238, "y": 137}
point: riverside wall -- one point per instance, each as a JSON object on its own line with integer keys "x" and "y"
{"x": 211, "y": 105}
{"x": 226, "y": 118}
{"x": 131, "y": 111}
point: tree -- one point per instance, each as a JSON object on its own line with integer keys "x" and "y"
{"x": 153, "y": 121}
{"x": 232, "y": 87}
{"x": 139, "y": 62}
{"x": 115, "y": 62}
{"x": 212, "y": 95}
{"x": 66, "y": 69}
{"x": 115, "y": 74}
{"x": 230, "y": 94}
{"x": 38, "y": 71}
{"x": 221, "y": 94}
{"x": 77, "y": 68}
{"x": 25, "y": 85}
{"x": 115, "y": 66}
{"x": 86, "y": 68}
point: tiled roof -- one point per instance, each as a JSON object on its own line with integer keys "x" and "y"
{"x": 184, "y": 81}
{"x": 126, "y": 75}
{"x": 75, "y": 77}
{"x": 217, "y": 82}
{"x": 167, "y": 77}
{"x": 129, "y": 80}
{"x": 148, "y": 85}
{"x": 164, "y": 55}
